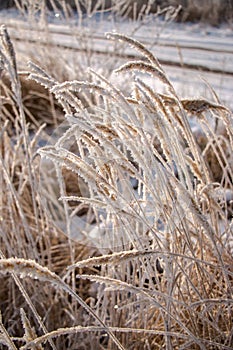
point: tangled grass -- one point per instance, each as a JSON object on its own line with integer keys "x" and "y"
{"x": 118, "y": 232}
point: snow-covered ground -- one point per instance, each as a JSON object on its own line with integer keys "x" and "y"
{"x": 191, "y": 54}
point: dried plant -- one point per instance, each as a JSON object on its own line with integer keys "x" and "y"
{"x": 126, "y": 213}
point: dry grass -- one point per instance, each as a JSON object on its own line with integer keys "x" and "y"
{"x": 117, "y": 234}
{"x": 209, "y": 11}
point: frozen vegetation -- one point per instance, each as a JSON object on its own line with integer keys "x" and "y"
{"x": 116, "y": 140}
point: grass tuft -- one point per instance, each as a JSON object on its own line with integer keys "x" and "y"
{"x": 116, "y": 232}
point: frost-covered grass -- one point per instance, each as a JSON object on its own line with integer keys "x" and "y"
{"x": 118, "y": 232}
{"x": 209, "y": 11}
